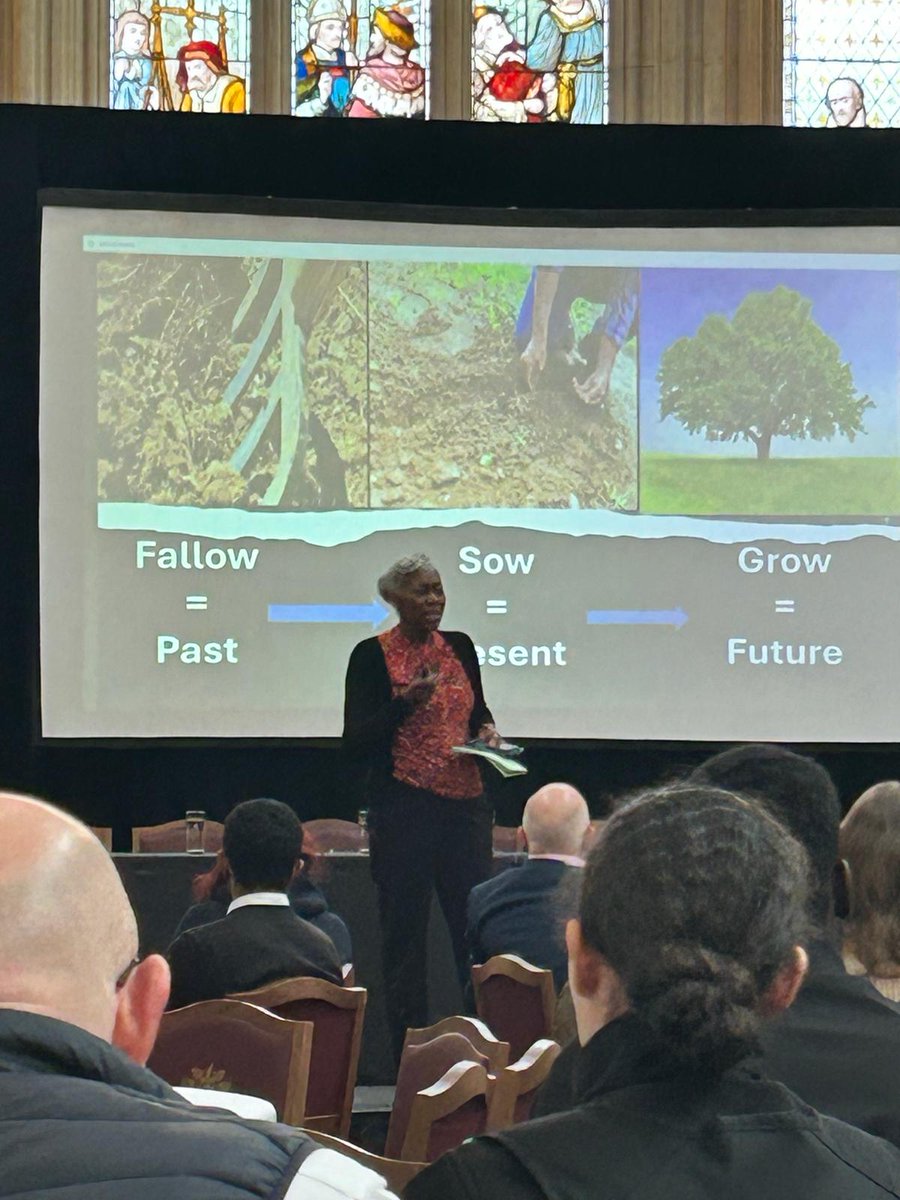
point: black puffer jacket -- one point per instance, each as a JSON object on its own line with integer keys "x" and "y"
{"x": 78, "y": 1118}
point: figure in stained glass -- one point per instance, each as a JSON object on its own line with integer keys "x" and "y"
{"x": 846, "y": 103}
{"x": 323, "y": 66}
{"x": 389, "y": 84}
{"x": 188, "y": 57}
{"x": 842, "y": 63}
{"x": 205, "y": 82}
{"x": 132, "y": 66}
{"x": 568, "y": 43}
{"x": 504, "y": 88}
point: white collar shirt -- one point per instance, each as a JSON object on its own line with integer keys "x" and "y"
{"x": 269, "y": 899}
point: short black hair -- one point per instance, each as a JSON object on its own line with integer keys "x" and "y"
{"x": 262, "y": 841}
{"x": 799, "y": 793}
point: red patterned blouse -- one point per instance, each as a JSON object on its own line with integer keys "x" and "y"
{"x": 422, "y": 744}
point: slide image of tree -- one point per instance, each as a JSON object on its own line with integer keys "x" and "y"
{"x": 770, "y": 392}
{"x": 458, "y": 419}
{"x": 226, "y": 382}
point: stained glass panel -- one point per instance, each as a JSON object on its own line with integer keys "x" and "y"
{"x": 191, "y": 57}
{"x": 353, "y": 58}
{"x": 541, "y": 60}
{"x": 842, "y": 63}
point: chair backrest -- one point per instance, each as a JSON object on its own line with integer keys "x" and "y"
{"x": 515, "y": 1087}
{"x": 515, "y": 1000}
{"x": 329, "y": 833}
{"x": 170, "y": 838}
{"x": 448, "y": 1112}
{"x": 421, "y": 1065}
{"x": 336, "y": 1014}
{"x": 103, "y": 834}
{"x": 397, "y": 1173}
{"x": 474, "y": 1031}
{"x": 229, "y": 1046}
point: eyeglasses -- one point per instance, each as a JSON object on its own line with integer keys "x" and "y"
{"x": 126, "y": 974}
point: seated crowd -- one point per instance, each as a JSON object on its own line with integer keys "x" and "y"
{"x": 728, "y": 952}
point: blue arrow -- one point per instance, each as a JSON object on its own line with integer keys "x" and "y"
{"x": 675, "y": 616}
{"x": 331, "y": 614}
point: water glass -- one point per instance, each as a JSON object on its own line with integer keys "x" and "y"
{"x": 194, "y": 824}
{"x": 362, "y": 820}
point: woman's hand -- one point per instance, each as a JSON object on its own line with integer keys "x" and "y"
{"x": 489, "y": 735}
{"x": 421, "y": 689}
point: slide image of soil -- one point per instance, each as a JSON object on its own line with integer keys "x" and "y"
{"x": 232, "y": 382}
{"x": 769, "y": 392}
{"x": 459, "y": 420}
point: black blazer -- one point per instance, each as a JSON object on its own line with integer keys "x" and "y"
{"x": 522, "y": 911}
{"x": 372, "y": 714}
{"x": 645, "y": 1127}
{"x": 254, "y": 945}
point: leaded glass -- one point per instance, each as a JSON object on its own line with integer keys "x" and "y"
{"x": 352, "y": 58}
{"x": 541, "y": 60}
{"x": 191, "y": 57}
{"x": 842, "y": 63}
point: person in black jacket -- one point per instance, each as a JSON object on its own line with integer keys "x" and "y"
{"x": 260, "y": 939}
{"x": 412, "y": 694}
{"x": 689, "y": 939}
{"x": 80, "y": 1115}
{"x": 521, "y": 910}
{"x": 212, "y": 895}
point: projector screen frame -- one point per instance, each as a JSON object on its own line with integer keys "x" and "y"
{"x": 415, "y": 214}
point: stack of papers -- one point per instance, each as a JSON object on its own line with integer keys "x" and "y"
{"x": 503, "y": 759}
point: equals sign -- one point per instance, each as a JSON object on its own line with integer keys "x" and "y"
{"x": 196, "y": 603}
{"x": 497, "y": 608}
{"x": 785, "y": 606}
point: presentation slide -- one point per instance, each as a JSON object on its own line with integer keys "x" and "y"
{"x": 657, "y": 468}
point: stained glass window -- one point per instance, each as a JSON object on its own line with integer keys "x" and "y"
{"x": 842, "y": 63}
{"x": 353, "y": 58}
{"x": 541, "y": 60}
{"x": 191, "y": 57}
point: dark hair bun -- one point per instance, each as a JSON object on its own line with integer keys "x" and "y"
{"x": 702, "y": 1004}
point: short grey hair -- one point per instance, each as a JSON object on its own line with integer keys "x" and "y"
{"x": 395, "y": 575}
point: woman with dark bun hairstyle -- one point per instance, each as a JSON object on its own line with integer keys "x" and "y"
{"x": 689, "y": 936}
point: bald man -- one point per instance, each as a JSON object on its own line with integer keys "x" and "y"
{"x": 80, "y": 1114}
{"x": 523, "y": 910}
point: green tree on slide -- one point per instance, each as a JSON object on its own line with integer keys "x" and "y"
{"x": 770, "y": 371}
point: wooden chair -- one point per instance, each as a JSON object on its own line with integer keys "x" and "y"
{"x": 515, "y": 1087}
{"x": 422, "y": 1066}
{"x": 170, "y": 838}
{"x": 448, "y": 1112}
{"x": 228, "y": 1046}
{"x": 103, "y": 834}
{"x": 397, "y": 1173}
{"x": 515, "y": 1000}
{"x": 329, "y": 834}
{"x": 336, "y": 1014}
{"x": 474, "y": 1031}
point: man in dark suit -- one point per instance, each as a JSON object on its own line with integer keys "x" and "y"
{"x": 522, "y": 910}
{"x": 261, "y": 938}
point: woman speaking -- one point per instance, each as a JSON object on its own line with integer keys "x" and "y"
{"x": 411, "y": 695}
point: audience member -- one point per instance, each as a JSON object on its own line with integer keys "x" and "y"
{"x": 212, "y": 895}
{"x": 838, "y": 1047}
{"x": 870, "y": 845}
{"x": 260, "y": 939}
{"x": 79, "y": 1113}
{"x": 520, "y": 911}
{"x": 689, "y": 937}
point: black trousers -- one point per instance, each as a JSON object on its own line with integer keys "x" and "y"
{"x": 419, "y": 843}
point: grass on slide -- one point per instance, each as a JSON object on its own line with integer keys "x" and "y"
{"x": 678, "y": 483}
